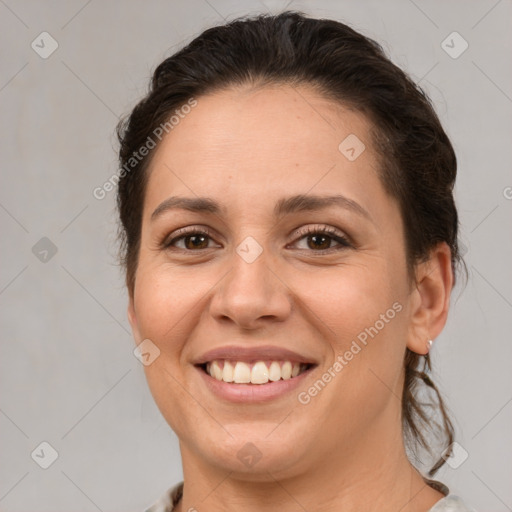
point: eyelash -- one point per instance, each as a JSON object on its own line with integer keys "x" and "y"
{"x": 332, "y": 233}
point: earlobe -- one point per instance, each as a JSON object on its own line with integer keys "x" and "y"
{"x": 434, "y": 282}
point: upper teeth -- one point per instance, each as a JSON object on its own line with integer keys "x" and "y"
{"x": 257, "y": 373}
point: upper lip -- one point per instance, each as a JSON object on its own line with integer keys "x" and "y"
{"x": 249, "y": 354}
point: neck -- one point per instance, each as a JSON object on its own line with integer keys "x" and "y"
{"x": 364, "y": 470}
{"x": 377, "y": 479}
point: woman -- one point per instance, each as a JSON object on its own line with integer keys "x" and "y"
{"x": 289, "y": 236}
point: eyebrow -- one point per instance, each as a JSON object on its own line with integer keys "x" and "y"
{"x": 284, "y": 206}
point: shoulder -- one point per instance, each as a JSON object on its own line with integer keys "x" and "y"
{"x": 168, "y": 500}
{"x": 451, "y": 503}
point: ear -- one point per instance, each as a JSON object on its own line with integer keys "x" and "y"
{"x": 132, "y": 318}
{"x": 430, "y": 298}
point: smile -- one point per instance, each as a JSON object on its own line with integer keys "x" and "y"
{"x": 259, "y": 372}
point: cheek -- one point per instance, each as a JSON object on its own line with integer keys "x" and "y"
{"x": 364, "y": 309}
{"x": 167, "y": 303}
{"x": 350, "y": 299}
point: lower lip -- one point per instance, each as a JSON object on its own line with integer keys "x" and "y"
{"x": 253, "y": 393}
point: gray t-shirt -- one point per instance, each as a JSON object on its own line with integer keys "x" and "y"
{"x": 167, "y": 502}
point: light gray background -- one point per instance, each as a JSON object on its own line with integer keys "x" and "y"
{"x": 68, "y": 375}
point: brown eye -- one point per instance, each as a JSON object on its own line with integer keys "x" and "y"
{"x": 191, "y": 239}
{"x": 320, "y": 239}
{"x": 196, "y": 241}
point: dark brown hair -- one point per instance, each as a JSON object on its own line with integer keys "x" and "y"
{"x": 418, "y": 163}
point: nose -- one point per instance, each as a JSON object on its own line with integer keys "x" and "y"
{"x": 251, "y": 294}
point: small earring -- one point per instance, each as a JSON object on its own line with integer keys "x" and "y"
{"x": 429, "y": 345}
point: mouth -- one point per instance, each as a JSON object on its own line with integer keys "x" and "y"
{"x": 255, "y": 374}
{"x": 258, "y": 372}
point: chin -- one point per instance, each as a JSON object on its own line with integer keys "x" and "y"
{"x": 253, "y": 456}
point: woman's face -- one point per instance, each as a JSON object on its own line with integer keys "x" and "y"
{"x": 258, "y": 284}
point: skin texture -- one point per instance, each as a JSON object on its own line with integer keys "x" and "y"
{"x": 247, "y": 148}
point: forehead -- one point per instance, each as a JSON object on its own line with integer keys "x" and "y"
{"x": 248, "y": 144}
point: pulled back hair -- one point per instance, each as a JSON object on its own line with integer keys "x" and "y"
{"x": 417, "y": 161}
